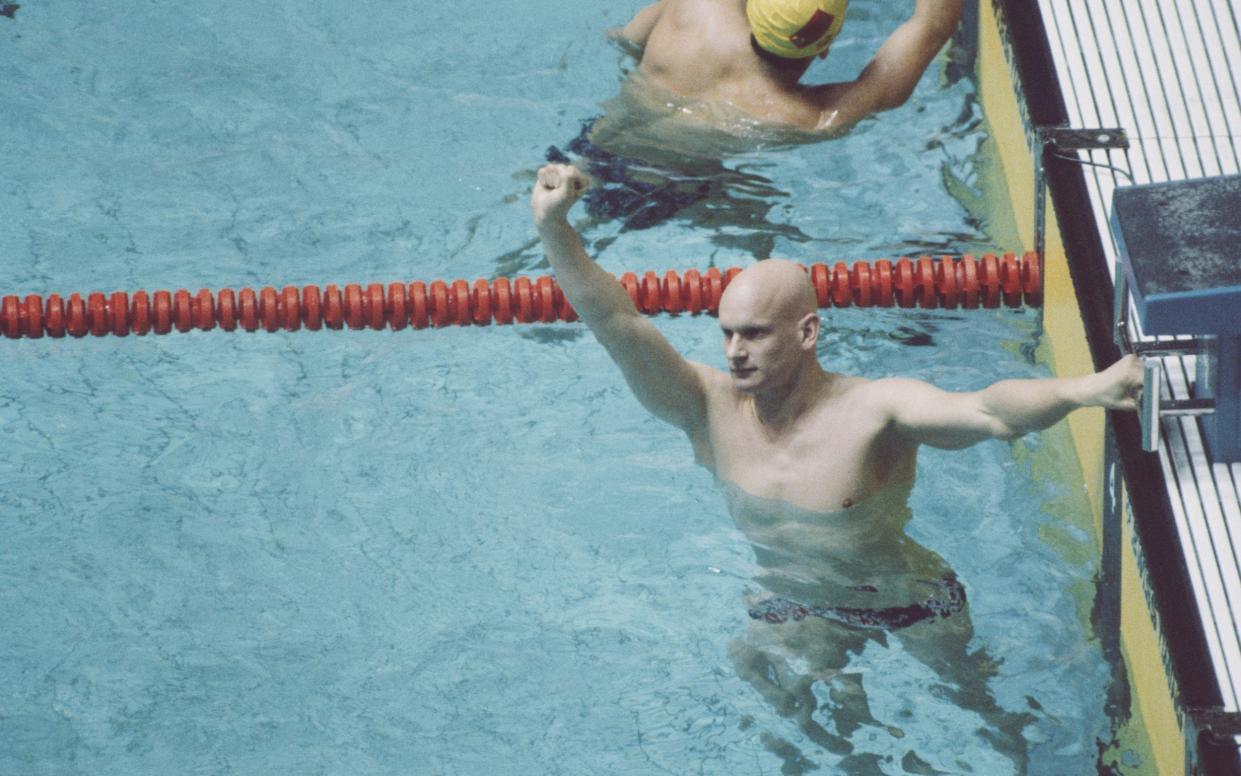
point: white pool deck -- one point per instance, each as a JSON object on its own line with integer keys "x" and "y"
{"x": 1170, "y": 75}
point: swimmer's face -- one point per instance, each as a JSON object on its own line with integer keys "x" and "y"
{"x": 766, "y": 337}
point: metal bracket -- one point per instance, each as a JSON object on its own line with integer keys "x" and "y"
{"x": 1064, "y": 139}
{"x": 1216, "y": 722}
{"x": 1070, "y": 139}
{"x": 1152, "y": 406}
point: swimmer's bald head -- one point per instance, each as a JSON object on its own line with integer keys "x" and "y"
{"x": 779, "y": 287}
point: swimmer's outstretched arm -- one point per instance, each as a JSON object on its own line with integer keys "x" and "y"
{"x": 672, "y": 388}
{"x": 889, "y": 79}
{"x": 639, "y": 28}
{"x": 1005, "y": 410}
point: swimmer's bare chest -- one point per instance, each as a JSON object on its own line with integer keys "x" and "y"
{"x": 832, "y": 460}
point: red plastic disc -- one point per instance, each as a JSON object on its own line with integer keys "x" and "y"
{"x": 502, "y": 300}
{"x": 989, "y": 278}
{"x": 904, "y": 285}
{"x": 1032, "y": 279}
{"x": 161, "y": 313}
{"x": 712, "y": 290}
{"x": 692, "y": 291}
{"x": 480, "y": 302}
{"x": 375, "y": 307}
{"x": 332, "y": 307}
{"x": 118, "y": 312}
{"x": 671, "y": 289}
{"x": 924, "y": 283}
{"x": 182, "y": 316}
{"x": 11, "y": 316}
{"x": 204, "y": 310}
{"x": 967, "y": 281}
{"x": 269, "y": 308}
{"x": 525, "y": 300}
{"x": 1010, "y": 280}
{"x": 729, "y": 274}
{"x": 355, "y": 314}
{"x": 437, "y": 295}
{"x": 459, "y": 303}
{"x": 820, "y": 278}
{"x": 397, "y": 310}
{"x": 312, "y": 307}
{"x": 289, "y": 306}
{"x": 34, "y": 316}
{"x": 546, "y": 293}
{"x": 651, "y": 303}
{"x": 139, "y": 314}
{"x": 247, "y": 309}
{"x": 418, "y": 314}
{"x": 860, "y": 284}
{"x": 97, "y": 314}
{"x": 226, "y": 309}
{"x": 881, "y": 282}
{"x": 946, "y": 282}
{"x": 54, "y": 316}
{"x": 842, "y": 296}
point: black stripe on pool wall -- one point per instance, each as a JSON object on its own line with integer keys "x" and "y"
{"x": 1166, "y": 572}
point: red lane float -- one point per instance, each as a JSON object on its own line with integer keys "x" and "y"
{"x": 945, "y": 282}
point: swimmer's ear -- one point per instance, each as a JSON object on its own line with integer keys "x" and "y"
{"x": 809, "y": 327}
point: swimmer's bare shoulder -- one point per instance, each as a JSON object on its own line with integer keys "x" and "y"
{"x": 859, "y": 414}
{"x": 721, "y": 397}
{"x": 882, "y": 397}
{"x": 693, "y": 39}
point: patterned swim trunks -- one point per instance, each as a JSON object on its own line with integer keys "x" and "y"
{"x": 947, "y": 599}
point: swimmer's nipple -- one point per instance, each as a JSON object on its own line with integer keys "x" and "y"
{"x": 848, "y": 502}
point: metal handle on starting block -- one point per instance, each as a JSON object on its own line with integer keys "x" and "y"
{"x": 1148, "y": 406}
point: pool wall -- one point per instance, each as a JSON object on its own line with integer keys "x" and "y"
{"x": 1068, "y": 350}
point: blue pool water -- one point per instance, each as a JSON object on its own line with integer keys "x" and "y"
{"x": 464, "y": 551}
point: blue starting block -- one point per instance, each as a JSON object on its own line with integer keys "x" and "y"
{"x": 1179, "y": 252}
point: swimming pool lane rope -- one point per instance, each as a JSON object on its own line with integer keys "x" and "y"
{"x": 925, "y": 282}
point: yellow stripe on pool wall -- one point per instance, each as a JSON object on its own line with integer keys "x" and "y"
{"x": 1144, "y": 658}
{"x": 1155, "y": 734}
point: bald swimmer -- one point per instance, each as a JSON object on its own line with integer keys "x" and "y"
{"x": 751, "y": 54}
{"x": 817, "y": 467}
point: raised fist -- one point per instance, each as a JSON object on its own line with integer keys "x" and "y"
{"x": 558, "y": 187}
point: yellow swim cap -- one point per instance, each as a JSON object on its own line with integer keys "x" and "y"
{"x": 795, "y": 29}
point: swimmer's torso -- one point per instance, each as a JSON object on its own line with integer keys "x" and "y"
{"x": 824, "y": 502}
{"x": 700, "y": 50}
{"x": 837, "y": 454}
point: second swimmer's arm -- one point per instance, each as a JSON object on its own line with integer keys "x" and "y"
{"x": 890, "y": 77}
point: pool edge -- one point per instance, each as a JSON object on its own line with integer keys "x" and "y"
{"x": 1069, "y": 350}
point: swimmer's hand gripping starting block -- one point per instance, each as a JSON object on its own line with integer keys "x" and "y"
{"x": 925, "y": 282}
